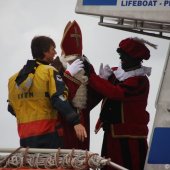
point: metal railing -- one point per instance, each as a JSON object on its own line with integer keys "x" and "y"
{"x": 151, "y": 28}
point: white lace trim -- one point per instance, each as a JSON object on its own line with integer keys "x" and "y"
{"x": 121, "y": 75}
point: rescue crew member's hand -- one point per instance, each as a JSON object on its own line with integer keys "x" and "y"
{"x": 75, "y": 67}
{"x": 80, "y": 132}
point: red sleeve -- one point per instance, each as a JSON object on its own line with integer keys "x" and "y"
{"x": 72, "y": 84}
{"x": 126, "y": 90}
{"x": 106, "y": 88}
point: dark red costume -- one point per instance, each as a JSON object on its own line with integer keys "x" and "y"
{"x": 124, "y": 119}
{"x": 93, "y": 98}
{"x": 123, "y": 114}
{"x": 71, "y": 45}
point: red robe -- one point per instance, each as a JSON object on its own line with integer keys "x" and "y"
{"x": 125, "y": 119}
{"x": 93, "y": 98}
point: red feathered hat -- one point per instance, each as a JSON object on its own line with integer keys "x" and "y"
{"x": 71, "y": 43}
{"x": 136, "y": 48}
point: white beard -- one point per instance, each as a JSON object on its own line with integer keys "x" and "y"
{"x": 80, "y": 99}
{"x": 64, "y": 60}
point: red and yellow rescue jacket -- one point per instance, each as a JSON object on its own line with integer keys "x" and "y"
{"x": 31, "y": 103}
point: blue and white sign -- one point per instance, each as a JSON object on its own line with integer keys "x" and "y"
{"x": 150, "y": 10}
{"x": 129, "y": 3}
{"x": 145, "y": 3}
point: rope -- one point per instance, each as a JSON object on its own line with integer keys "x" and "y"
{"x": 67, "y": 159}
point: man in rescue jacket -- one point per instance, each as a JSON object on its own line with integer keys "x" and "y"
{"x": 37, "y": 94}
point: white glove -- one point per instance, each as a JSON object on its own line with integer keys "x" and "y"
{"x": 75, "y": 67}
{"x": 105, "y": 72}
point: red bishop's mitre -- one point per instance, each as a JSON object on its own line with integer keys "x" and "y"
{"x": 71, "y": 43}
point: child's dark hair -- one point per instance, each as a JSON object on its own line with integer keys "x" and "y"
{"x": 39, "y": 45}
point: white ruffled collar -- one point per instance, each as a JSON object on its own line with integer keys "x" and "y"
{"x": 121, "y": 75}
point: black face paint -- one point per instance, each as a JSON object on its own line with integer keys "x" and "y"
{"x": 127, "y": 62}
